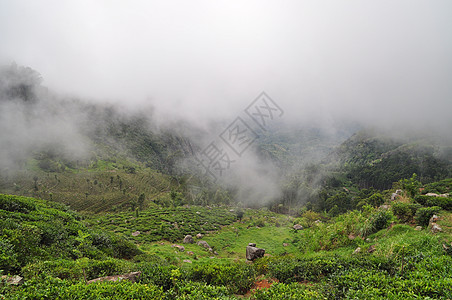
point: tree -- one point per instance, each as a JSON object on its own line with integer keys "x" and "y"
{"x": 141, "y": 201}
{"x": 411, "y": 185}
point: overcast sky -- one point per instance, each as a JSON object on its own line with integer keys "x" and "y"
{"x": 377, "y": 61}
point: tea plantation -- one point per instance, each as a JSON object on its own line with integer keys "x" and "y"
{"x": 374, "y": 253}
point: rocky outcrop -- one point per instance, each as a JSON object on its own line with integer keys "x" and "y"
{"x": 436, "y": 195}
{"x": 433, "y": 226}
{"x": 181, "y": 248}
{"x": 133, "y": 277}
{"x": 13, "y": 280}
{"x": 297, "y": 227}
{"x": 204, "y": 244}
{"x": 396, "y": 194}
{"x": 436, "y": 228}
{"x": 188, "y": 239}
{"x": 252, "y": 252}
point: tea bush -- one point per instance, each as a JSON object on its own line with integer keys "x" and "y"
{"x": 34, "y": 230}
{"x": 238, "y": 277}
{"x": 292, "y": 291}
{"x": 424, "y": 214}
{"x": 443, "y": 202}
{"x": 405, "y": 212}
{"x": 378, "y": 220}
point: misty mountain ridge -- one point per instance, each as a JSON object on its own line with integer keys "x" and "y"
{"x": 131, "y": 154}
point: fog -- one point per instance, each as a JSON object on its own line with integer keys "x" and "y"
{"x": 385, "y": 64}
{"x": 374, "y": 61}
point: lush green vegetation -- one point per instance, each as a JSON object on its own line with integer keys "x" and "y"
{"x": 169, "y": 224}
{"x": 33, "y": 231}
{"x": 62, "y": 248}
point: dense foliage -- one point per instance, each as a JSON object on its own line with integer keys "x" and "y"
{"x": 395, "y": 261}
{"x": 33, "y": 230}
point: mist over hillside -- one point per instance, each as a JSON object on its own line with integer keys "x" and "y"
{"x": 45, "y": 132}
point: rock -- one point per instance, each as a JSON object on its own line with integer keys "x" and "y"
{"x": 351, "y": 236}
{"x": 357, "y": 250}
{"x": 215, "y": 252}
{"x": 252, "y": 244}
{"x": 133, "y": 276}
{"x": 297, "y": 227}
{"x": 203, "y": 244}
{"x": 432, "y": 195}
{"x": 418, "y": 228}
{"x": 136, "y": 233}
{"x": 385, "y": 206}
{"x": 190, "y": 253}
{"x": 181, "y": 248}
{"x": 371, "y": 249}
{"x": 285, "y": 244}
{"x": 444, "y": 195}
{"x": 199, "y": 236}
{"x": 436, "y": 228}
{"x": 434, "y": 219}
{"x": 188, "y": 239}
{"x": 318, "y": 222}
{"x": 187, "y": 261}
{"x": 13, "y": 280}
{"x": 253, "y": 252}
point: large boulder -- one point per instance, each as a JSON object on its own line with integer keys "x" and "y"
{"x": 188, "y": 239}
{"x": 297, "y": 227}
{"x": 133, "y": 276}
{"x": 204, "y": 244}
{"x": 252, "y": 252}
{"x": 181, "y": 248}
{"x": 436, "y": 228}
{"x": 13, "y": 280}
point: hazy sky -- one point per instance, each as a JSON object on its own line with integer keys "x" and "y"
{"x": 377, "y": 61}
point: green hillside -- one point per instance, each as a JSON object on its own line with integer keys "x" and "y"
{"x": 376, "y": 253}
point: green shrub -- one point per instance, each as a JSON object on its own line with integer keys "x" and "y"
{"x": 443, "y": 202}
{"x": 288, "y": 270}
{"x": 293, "y": 291}
{"x": 115, "y": 246}
{"x": 377, "y": 221}
{"x": 238, "y": 277}
{"x": 198, "y": 291}
{"x": 375, "y": 200}
{"x": 405, "y": 212}
{"x": 424, "y": 214}
{"x": 159, "y": 275}
{"x": 8, "y": 257}
{"x": 16, "y": 204}
{"x": 54, "y": 288}
{"x": 73, "y": 269}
